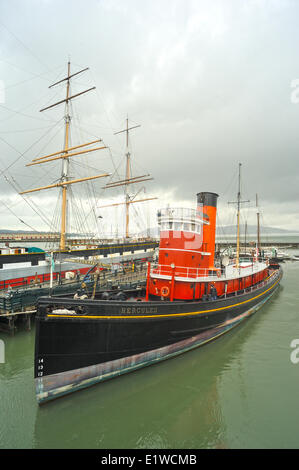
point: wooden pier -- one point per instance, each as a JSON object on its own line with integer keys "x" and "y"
{"x": 18, "y": 309}
{"x": 9, "y": 321}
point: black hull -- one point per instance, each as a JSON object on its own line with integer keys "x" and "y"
{"x": 93, "y": 340}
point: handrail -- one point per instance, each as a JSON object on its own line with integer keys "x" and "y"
{"x": 217, "y": 271}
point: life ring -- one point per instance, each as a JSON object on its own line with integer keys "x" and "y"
{"x": 165, "y": 291}
{"x": 218, "y": 273}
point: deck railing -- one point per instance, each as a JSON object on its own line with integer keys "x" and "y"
{"x": 216, "y": 272}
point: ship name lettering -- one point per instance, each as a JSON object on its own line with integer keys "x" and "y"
{"x": 138, "y": 310}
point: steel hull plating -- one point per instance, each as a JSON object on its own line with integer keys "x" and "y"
{"x": 75, "y": 351}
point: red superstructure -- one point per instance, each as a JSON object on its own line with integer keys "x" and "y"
{"x": 186, "y": 268}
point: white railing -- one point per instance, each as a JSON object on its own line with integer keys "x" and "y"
{"x": 182, "y": 271}
{"x": 245, "y": 268}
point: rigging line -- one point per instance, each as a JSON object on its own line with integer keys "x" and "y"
{"x": 23, "y": 114}
{"x": 92, "y": 210}
{"x": 24, "y": 130}
{"x": 4, "y": 203}
{"x": 73, "y": 205}
{"x": 16, "y": 185}
{"x": 41, "y": 215}
{"x": 138, "y": 165}
{"x": 231, "y": 181}
{"x": 28, "y": 106}
{"x": 93, "y": 124}
{"x": 102, "y": 102}
{"x": 92, "y": 203}
{"x": 91, "y": 197}
{"x": 20, "y": 111}
{"x": 221, "y": 227}
{"x": 26, "y": 71}
{"x": 44, "y": 171}
{"x": 90, "y": 192}
{"x": 264, "y": 224}
{"x": 56, "y": 214}
{"x": 104, "y": 108}
{"x": 21, "y": 154}
{"x": 82, "y": 227}
{"x": 137, "y": 219}
{"x": 24, "y": 81}
{"x": 97, "y": 136}
{"x": 78, "y": 223}
{"x": 25, "y": 46}
{"x": 86, "y": 166}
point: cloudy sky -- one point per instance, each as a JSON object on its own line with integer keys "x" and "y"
{"x": 211, "y": 83}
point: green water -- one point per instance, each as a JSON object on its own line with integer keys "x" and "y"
{"x": 240, "y": 391}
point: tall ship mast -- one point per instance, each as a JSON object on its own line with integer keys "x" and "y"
{"x": 66, "y": 153}
{"x": 129, "y": 180}
{"x": 25, "y": 265}
{"x": 258, "y": 239}
{"x": 238, "y": 203}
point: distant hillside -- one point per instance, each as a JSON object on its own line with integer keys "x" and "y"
{"x": 251, "y": 230}
{"x": 29, "y": 232}
{"x": 155, "y": 231}
{"x": 231, "y": 230}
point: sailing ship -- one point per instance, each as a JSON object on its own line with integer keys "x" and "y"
{"x": 22, "y": 267}
{"x": 190, "y": 299}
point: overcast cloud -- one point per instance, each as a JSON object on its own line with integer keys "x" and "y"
{"x": 210, "y": 83}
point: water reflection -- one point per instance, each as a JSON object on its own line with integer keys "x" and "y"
{"x": 175, "y": 404}
{"x": 17, "y": 401}
{"x": 204, "y": 398}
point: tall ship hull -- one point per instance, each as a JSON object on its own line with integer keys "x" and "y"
{"x": 20, "y": 267}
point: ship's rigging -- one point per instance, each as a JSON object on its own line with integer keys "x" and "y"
{"x": 65, "y": 154}
{"x": 129, "y": 179}
{"x": 69, "y": 153}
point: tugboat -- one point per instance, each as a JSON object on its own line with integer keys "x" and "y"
{"x": 190, "y": 299}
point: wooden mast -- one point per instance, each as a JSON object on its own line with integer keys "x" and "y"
{"x": 127, "y": 197}
{"x": 65, "y": 164}
{"x": 258, "y": 229}
{"x": 128, "y": 180}
{"x": 239, "y": 202}
{"x": 127, "y": 177}
{"x": 245, "y": 236}
{"x": 65, "y": 155}
{"x": 238, "y": 217}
